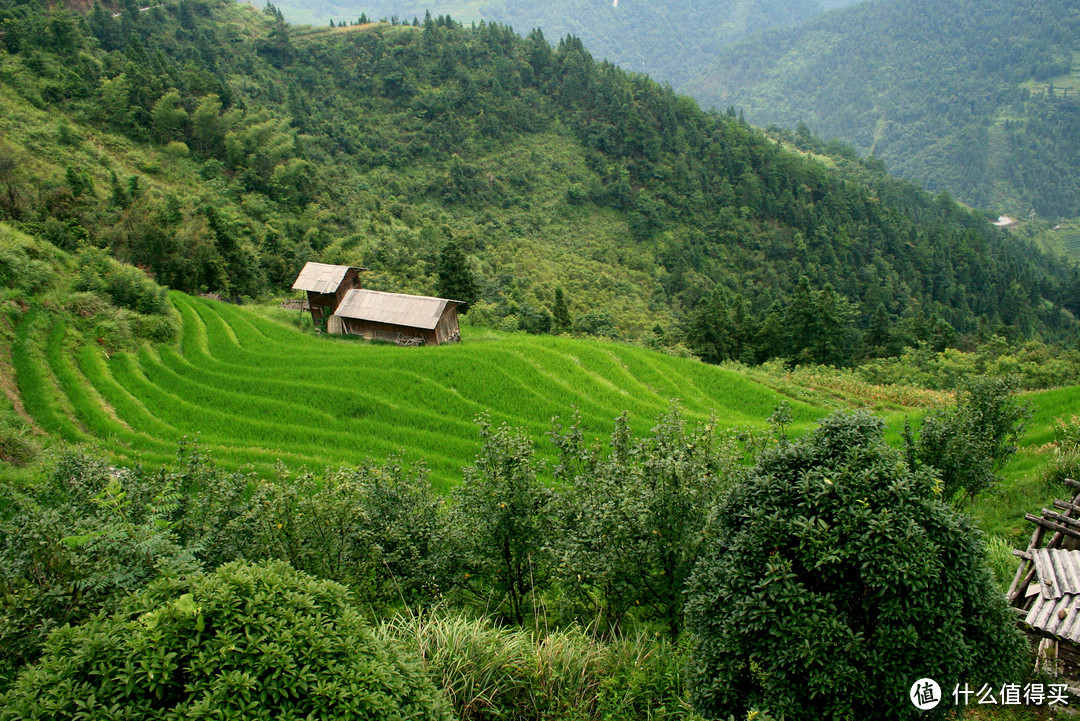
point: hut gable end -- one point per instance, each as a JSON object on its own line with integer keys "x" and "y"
{"x": 326, "y": 286}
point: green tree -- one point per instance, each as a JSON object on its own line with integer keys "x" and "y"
{"x": 78, "y": 543}
{"x": 819, "y": 326}
{"x": 723, "y": 328}
{"x": 207, "y": 126}
{"x": 502, "y": 521}
{"x": 456, "y": 280}
{"x": 968, "y": 445}
{"x": 373, "y": 528}
{"x": 560, "y": 312}
{"x": 633, "y": 516}
{"x": 167, "y": 117}
{"x": 836, "y": 579}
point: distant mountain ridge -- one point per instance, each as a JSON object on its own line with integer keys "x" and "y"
{"x": 978, "y": 98}
{"x": 670, "y": 41}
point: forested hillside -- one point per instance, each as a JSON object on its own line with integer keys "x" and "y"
{"x": 670, "y": 41}
{"x": 979, "y": 98}
{"x": 219, "y": 149}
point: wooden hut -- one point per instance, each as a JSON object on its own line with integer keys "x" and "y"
{"x": 1045, "y": 592}
{"x": 326, "y": 287}
{"x": 399, "y": 318}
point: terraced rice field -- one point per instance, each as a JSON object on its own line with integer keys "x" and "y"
{"x": 257, "y": 392}
{"x": 1071, "y": 240}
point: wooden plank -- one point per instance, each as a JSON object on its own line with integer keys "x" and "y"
{"x": 1071, "y": 482}
{"x": 1021, "y": 554}
{"x": 1066, "y": 506}
{"x": 1060, "y": 518}
{"x": 1020, "y": 583}
{"x": 1056, "y": 527}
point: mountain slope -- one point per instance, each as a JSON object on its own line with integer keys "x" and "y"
{"x": 670, "y": 41}
{"x": 220, "y": 148}
{"x": 977, "y": 98}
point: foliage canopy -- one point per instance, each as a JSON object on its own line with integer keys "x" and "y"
{"x": 245, "y": 642}
{"x": 837, "y": 579}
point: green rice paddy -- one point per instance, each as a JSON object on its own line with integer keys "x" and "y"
{"x": 256, "y": 392}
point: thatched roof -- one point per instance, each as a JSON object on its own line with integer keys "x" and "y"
{"x": 413, "y": 311}
{"x": 321, "y": 277}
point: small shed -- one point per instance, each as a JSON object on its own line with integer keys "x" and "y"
{"x": 1045, "y": 592}
{"x": 399, "y": 318}
{"x": 326, "y": 287}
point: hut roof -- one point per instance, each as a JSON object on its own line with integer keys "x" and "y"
{"x": 1056, "y": 587}
{"x": 414, "y": 311}
{"x": 321, "y": 277}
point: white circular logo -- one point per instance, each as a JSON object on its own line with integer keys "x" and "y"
{"x": 925, "y": 694}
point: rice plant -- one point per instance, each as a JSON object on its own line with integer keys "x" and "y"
{"x": 256, "y": 391}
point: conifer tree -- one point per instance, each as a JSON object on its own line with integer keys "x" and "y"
{"x": 456, "y": 279}
{"x": 560, "y": 312}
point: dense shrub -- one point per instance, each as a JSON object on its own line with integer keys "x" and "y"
{"x": 373, "y": 528}
{"x": 88, "y": 534}
{"x": 26, "y": 264}
{"x": 501, "y": 523}
{"x": 77, "y": 543}
{"x": 837, "y": 579}
{"x": 125, "y": 285}
{"x": 633, "y": 515}
{"x": 16, "y": 445}
{"x": 967, "y": 445}
{"x": 245, "y": 642}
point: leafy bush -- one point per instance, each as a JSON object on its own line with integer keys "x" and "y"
{"x": 80, "y": 541}
{"x": 23, "y": 264}
{"x": 373, "y": 528}
{"x": 837, "y": 579}
{"x": 85, "y": 304}
{"x": 157, "y": 328}
{"x": 115, "y": 328}
{"x": 502, "y": 523}
{"x": 245, "y": 642}
{"x": 127, "y": 286}
{"x": 633, "y": 516}
{"x": 970, "y": 443}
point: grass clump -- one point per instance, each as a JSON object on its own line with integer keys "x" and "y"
{"x": 1065, "y": 452}
{"x": 17, "y": 446}
{"x": 489, "y": 672}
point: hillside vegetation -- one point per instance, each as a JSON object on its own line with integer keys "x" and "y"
{"x": 976, "y": 98}
{"x": 219, "y": 148}
{"x": 669, "y": 41}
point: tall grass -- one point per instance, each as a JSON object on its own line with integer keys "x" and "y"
{"x": 999, "y": 552}
{"x": 487, "y": 672}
